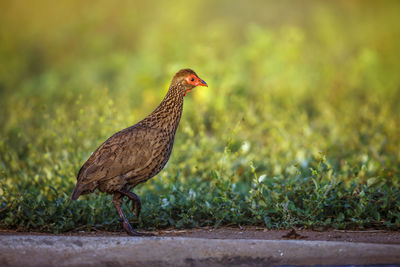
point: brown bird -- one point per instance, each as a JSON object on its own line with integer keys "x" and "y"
{"x": 135, "y": 154}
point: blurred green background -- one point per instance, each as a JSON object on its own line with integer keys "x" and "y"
{"x": 299, "y": 125}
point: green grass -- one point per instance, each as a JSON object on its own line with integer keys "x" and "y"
{"x": 300, "y": 124}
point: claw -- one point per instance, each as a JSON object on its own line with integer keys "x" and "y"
{"x": 128, "y": 229}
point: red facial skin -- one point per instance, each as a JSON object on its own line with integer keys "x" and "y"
{"x": 195, "y": 81}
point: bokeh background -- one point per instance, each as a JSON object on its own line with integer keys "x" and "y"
{"x": 299, "y": 125}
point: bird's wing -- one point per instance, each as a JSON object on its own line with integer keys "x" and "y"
{"x": 123, "y": 152}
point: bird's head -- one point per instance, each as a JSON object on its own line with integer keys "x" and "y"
{"x": 186, "y": 80}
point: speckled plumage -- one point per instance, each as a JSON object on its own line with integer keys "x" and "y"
{"x": 137, "y": 153}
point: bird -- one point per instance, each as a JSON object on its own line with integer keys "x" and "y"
{"x": 135, "y": 154}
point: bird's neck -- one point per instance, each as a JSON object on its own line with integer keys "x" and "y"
{"x": 168, "y": 114}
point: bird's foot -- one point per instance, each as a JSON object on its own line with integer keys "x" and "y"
{"x": 128, "y": 229}
{"x": 141, "y": 234}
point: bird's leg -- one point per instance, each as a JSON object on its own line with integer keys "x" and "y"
{"x": 136, "y": 203}
{"x": 117, "y": 201}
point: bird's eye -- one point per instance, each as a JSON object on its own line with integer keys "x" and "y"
{"x": 192, "y": 79}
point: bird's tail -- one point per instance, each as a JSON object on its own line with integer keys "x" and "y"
{"x": 76, "y": 193}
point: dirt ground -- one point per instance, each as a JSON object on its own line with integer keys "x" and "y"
{"x": 367, "y": 236}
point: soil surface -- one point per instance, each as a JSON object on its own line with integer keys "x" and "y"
{"x": 366, "y": 236}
